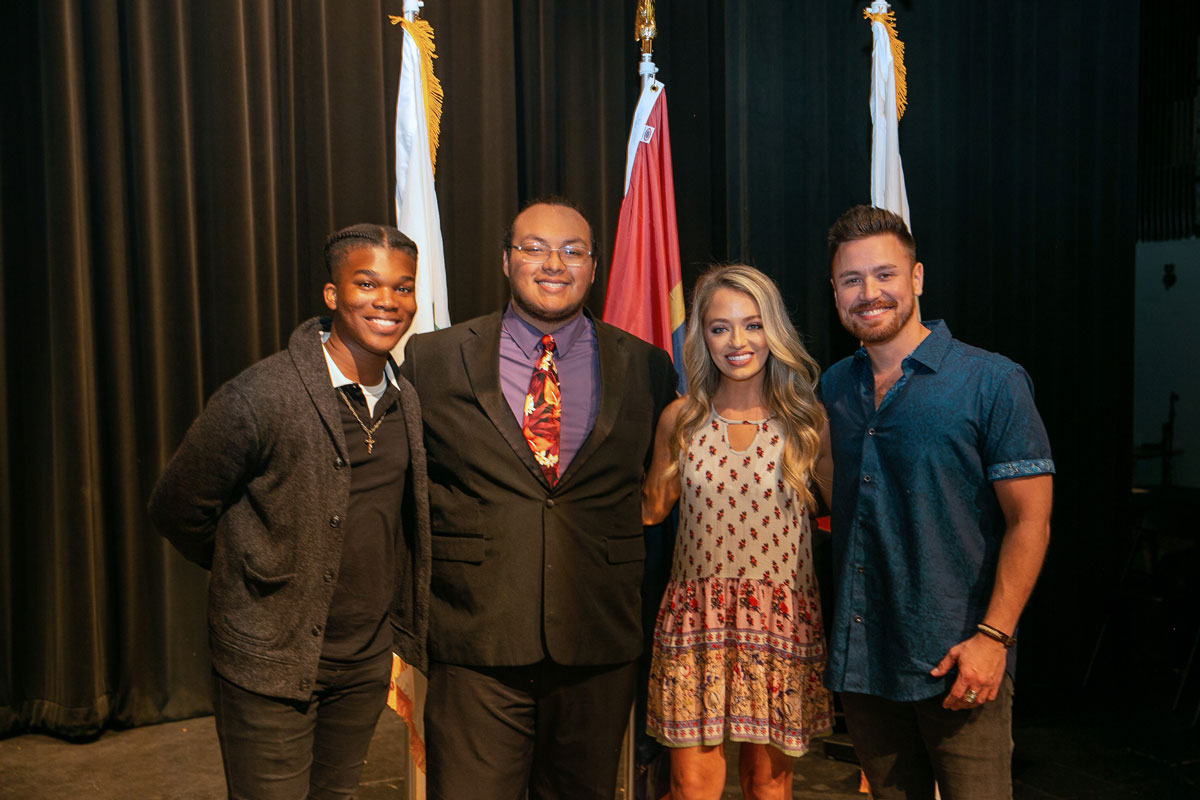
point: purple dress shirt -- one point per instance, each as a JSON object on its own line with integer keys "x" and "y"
{"x": 578, "y": 364}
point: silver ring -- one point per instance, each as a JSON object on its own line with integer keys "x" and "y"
{"x": 970, "y": 695}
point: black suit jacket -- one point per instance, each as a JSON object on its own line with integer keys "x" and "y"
{"x": 522, "y": 571}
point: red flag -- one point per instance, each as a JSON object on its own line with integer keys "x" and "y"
{"x": 645, "y": 291}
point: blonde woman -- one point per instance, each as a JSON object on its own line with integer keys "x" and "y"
{"x": 738, "y": 647}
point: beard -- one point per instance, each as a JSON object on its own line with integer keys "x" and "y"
{"x": 875, "y": 334}
{"x": 549, "y": 316}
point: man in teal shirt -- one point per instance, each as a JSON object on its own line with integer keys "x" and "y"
{"x": 941, "y": 507}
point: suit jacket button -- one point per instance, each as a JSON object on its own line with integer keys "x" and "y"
{"x": 549, "y": 502}
{"x": 339, "y": 463}
{"x": 335, "y": 521}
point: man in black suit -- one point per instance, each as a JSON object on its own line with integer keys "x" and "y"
{"x": 538, "y": 425}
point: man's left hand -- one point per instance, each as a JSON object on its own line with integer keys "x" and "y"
{"x": 980, "y": 663}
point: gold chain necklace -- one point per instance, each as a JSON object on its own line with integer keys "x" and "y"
{"x": 368, "y": 431}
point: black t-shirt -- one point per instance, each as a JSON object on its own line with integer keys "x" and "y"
{"x": 357, "y": 628}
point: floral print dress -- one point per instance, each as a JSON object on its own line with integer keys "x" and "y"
{"x": 739, "y": 647}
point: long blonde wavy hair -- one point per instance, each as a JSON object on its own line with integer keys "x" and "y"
{"x": 789, "y": 386}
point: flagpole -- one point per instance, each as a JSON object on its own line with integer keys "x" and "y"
{"x": 644, "y": 297}
{"x": 644, "y": 31}
{"x": 408, "y": 687}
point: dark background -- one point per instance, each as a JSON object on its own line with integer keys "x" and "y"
{"x": 169, "y": 170}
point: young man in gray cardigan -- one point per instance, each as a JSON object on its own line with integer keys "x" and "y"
{"x": 302, "y": 487}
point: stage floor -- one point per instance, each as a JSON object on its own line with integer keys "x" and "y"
{"x": 1099, "y": 754}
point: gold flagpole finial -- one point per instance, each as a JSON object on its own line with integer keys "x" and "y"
{"x": 644, "y": 29}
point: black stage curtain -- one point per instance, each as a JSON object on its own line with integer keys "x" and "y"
{"x": 169, "y": 170}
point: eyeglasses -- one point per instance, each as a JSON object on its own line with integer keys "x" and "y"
{"x": 572, "y": 255}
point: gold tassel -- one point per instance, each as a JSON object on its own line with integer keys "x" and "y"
{"x": 422, "y": 33}
{"x": 888, "y": 18}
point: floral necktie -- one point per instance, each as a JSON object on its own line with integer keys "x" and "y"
{"x": 543, "y": 412}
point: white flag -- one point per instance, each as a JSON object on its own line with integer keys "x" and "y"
{"x": 416, "y": 202}
{"x": 887, "y": 173}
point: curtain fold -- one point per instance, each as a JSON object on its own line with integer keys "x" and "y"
{"x": 476, "y": 177}
{"x": 169, "y": 170}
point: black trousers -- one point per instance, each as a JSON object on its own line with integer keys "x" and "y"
{"x": 493, "y": 733}
{"x": 277, "y": 749}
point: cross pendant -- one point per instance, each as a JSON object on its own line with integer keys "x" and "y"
{"x": 370, "y": 443}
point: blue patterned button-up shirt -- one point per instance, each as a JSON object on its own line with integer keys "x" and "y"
{"x": 916, "y": 524}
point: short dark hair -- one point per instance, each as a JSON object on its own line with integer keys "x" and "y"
{"x": 365, "y": 234}
{"x": 862, "y": 222}
{"x": 550, "y": 200}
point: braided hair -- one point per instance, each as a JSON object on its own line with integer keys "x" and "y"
{"x": 365, "y": 234}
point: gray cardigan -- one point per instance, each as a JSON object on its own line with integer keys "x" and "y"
{"x": 257, "y": 493}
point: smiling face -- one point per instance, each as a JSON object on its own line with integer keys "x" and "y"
{"x": 549, "y": 295}
{"x": 372, "y": 299}
{"x": 875, "y": 288}
{"x": 734, "y": 333}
